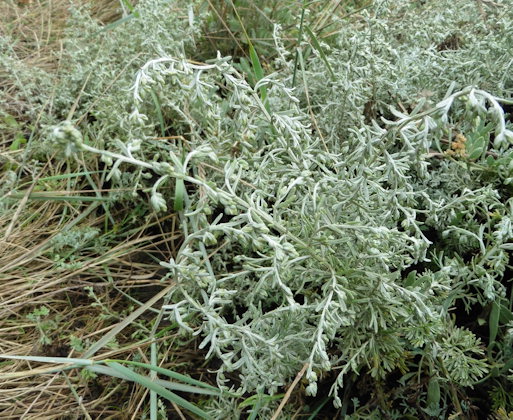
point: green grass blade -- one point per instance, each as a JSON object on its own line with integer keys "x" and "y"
{"x": 63, "y": 363}
{"x": 160, "y": 390}
{"x": 179, "y": 195}
{"x": 168, "y": 373}
{"x": 255, "y": 62}
{"x": 317, "y": 46}
{"x": 153, "y": 395}
{"x": 109, "y": 371}
{"x": 44, "y": 359}
{"x": 175, "y": 386}
{"x": 258, "y": 72}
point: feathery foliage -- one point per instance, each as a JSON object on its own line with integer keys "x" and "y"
{"x": 345, "y": 205}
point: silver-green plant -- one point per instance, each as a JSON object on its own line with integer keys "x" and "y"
{"x": 340, "y": 222}
{"x": 296, "y": 254}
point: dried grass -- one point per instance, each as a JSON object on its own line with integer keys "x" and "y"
{"x": 30, "y": 278}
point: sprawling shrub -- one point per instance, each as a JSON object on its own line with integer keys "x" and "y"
{"x": 336, "y": 211}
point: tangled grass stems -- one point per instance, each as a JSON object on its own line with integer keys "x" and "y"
{"x": 31, "y": 284}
